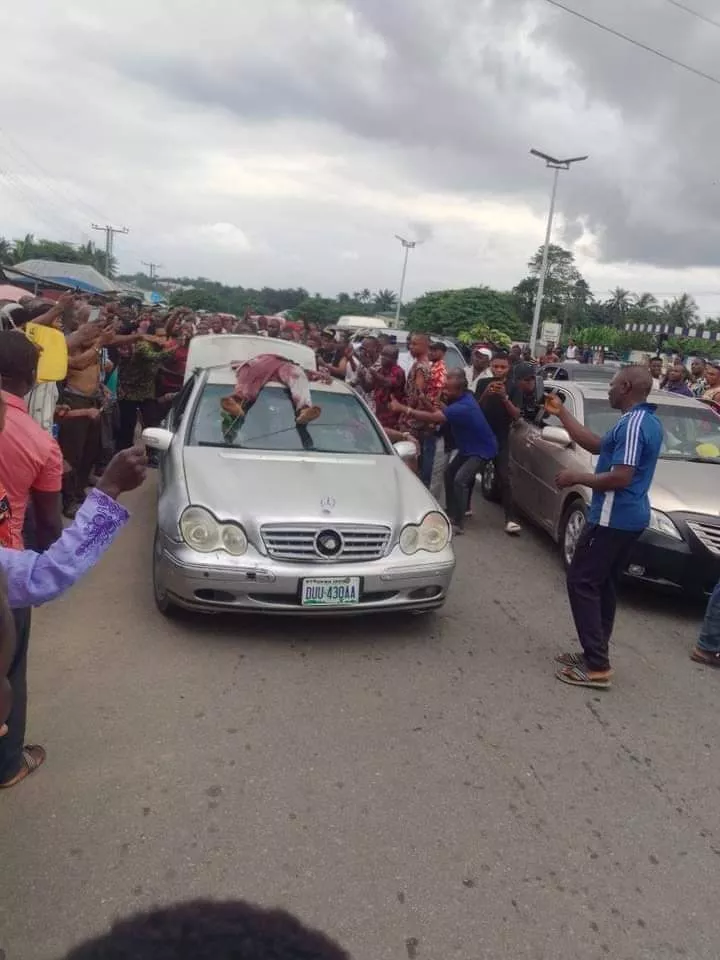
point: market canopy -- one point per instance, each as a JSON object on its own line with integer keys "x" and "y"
{"x": 77, "y": 275}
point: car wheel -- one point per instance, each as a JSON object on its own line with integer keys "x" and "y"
{"x": 572, "y": 526}
{"x": 489, "y": 485}
{"x": 162, "y": 601}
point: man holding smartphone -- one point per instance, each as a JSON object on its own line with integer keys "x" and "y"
{"x": 503, "y": 402}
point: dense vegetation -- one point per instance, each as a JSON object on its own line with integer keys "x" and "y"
{"x": 470, "y": 313}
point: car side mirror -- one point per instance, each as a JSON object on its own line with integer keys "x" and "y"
{"x": 405, "y": 449}
{"x": 557, "y": 435}
{"x": 157, "y": 438}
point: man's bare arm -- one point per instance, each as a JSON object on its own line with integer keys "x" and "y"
{"x": 578, "y": 433}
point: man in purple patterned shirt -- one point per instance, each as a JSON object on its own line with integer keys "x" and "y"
{"x": 32, "y": 579}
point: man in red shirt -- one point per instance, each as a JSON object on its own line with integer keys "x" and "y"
{"x": 31, "y": 472}
{"x": 438, "y": 371}
{"x": 388, "y": 384}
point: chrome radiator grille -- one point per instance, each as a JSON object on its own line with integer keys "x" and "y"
{"x": 331, "y": 543}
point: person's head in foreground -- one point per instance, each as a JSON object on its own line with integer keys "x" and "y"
{"x": 437, "y": 351}
{"x": 677, "y": 372}
{"x": 389, "y": 356}
{"x": 210, "y": 930}
{"x": 629, "y": 386}
{"x": 656, "y": 367}
{"x": 456, "y": 385}
{"x": 697, "y": 368}
{"x": 18, "y": 362}
{"x": 500, "y": 364}
{"x": 525, "y": 377}
{"x": 481, "y": 357}
{"x": 712, "y": 374}
{"x": 419, "y": 346}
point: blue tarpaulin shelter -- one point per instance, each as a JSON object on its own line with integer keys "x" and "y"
{"x": 78, "y": 276}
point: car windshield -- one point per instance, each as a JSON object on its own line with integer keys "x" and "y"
{"x": 691, "y": 433}
{"x": 342, "y": 427}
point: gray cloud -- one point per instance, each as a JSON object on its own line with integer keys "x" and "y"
{"x": 176, "y": 122}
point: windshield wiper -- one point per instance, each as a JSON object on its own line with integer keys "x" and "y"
{"x": 681, "y": 459}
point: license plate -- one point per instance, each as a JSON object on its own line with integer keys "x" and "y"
{"x": 330, "y": 592}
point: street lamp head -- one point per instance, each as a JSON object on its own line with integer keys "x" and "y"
{"x": 544, "y": 156}
{"x": 406, "y": 243}
{"x": 554, "y": 162}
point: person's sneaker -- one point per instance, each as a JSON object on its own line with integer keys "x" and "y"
{"x": 512, "y": 528}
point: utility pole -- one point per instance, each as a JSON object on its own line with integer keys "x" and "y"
{"x": 109, "y": 234}
{"x": 557, "y": 165}
{"x": 408, "y": 245}
{"x": 152, "y": 267}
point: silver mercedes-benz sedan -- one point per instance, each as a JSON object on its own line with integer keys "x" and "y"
{"x": 323, "y": 519}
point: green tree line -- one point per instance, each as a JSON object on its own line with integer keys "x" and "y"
{"x": 470, "y": 313}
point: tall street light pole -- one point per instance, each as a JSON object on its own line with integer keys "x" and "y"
{"x": 556, "y": 165}
{"x": 408, "y": 246}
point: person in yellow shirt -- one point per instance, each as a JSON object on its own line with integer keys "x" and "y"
{"x": 45, "y": 331}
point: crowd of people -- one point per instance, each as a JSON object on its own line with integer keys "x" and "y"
{"x": 75, "y": 388}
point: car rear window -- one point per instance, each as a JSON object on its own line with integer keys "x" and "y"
{"x": 342, "y": 427}
{"x": 691, "y": 433}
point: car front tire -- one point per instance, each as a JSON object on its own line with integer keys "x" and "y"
{"x": 571, "y": 528}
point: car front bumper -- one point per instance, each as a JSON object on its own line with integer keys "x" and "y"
{"x": 678, "y": 564}
{"x": 256, "y": 583}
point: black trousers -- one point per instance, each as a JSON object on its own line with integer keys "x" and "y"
{"x": 459, "y": 480}
{"x": 150, "y": 416}
{"x": 79, "y": 441}
{"x": 600, "y": 558}
{"x": 11, "y": 745}
{"x": 502, "y": 471}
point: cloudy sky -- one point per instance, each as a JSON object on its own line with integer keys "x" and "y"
{"x": 285, "y": 143}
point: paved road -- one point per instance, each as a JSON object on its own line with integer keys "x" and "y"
{"x": 418, "y": 788}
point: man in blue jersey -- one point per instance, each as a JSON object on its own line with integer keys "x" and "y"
{"x": 619, "y": 512}
{"x": 473, "y": 437}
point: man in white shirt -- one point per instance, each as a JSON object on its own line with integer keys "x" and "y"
{"x": 480, "y": 368}
{"x": 571, "y": 350}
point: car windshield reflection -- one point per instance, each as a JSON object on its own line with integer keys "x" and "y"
{"x": 343, "y": 427}
{"x": 690, "y": 433}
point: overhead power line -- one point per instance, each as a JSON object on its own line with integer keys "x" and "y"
{"x": 635, "y": 43}
{"x": 695, "y": 13}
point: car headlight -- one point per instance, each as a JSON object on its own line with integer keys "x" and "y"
{"x": 201, "y": 531}
{"x": 661, "y": 523}
{"x": 433, "y": 534}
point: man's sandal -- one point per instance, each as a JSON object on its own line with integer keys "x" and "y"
{"x": 578, "y": 677}
{"x": 705, "y": 656}
{"x": 33, "y": 756}
{"x": 571, "y": 659}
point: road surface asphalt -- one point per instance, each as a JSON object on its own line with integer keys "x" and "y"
{"x": 417, "y": 787}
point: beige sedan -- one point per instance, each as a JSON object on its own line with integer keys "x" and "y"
{"x": 681, "y": 547}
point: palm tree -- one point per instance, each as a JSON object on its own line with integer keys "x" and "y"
{"x": 619, "y": 300}
{"x": 364, "y": 295}
{"x": 24, "y": 249}
{"x": 683, "y": 310}
{"x": 645, "y": 301}
{"x": 385, "y": 300}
